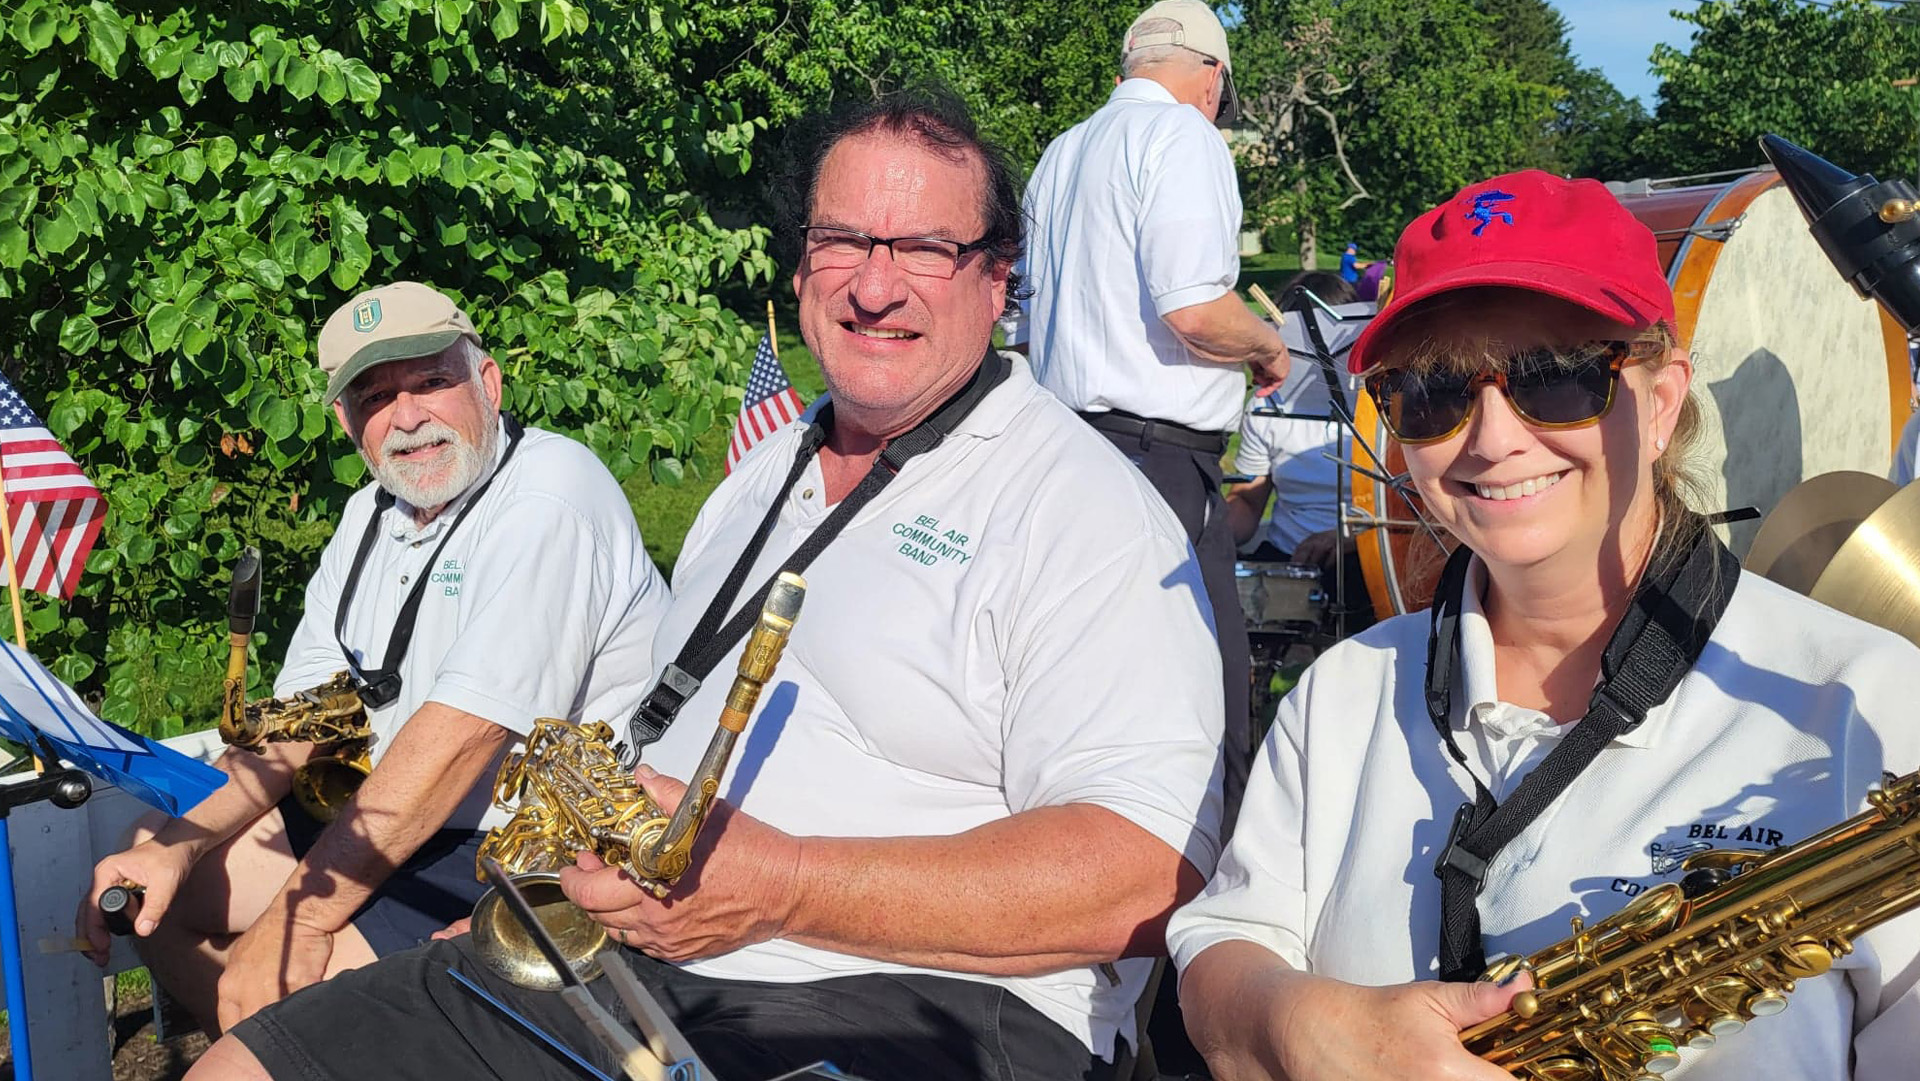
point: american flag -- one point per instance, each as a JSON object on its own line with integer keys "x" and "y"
{"x": 771, "y": 403}
{"x": 54, "y": 509}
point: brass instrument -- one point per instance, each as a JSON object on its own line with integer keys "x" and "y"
{"x": 569, "y": 794}
{"x": 1687, "y": 964}
{"x": 330, "y": 715}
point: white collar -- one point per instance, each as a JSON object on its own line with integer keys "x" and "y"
{"x": 1140, "y": 88}
{"x": 1479, "y": 687}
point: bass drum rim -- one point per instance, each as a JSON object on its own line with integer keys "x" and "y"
{"x": 1389, "y": 539}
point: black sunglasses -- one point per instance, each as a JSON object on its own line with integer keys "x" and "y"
{"x": 1547, "y": 388}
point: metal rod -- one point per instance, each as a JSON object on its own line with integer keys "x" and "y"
{"x": 10, "y": 959}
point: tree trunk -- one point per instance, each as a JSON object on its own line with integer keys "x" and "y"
{"x": 1304, "y": 229}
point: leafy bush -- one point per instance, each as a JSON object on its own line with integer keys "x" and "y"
{"x": 187, "y": 190}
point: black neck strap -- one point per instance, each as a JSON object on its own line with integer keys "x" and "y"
{"x": 1674, "y": 611}
{"x": 380, "y": 686}
{"x": 710, "y": 640}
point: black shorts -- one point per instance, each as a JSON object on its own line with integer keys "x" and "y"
{"x": 406, "y": 1019}
{"x": 435, "y": 887}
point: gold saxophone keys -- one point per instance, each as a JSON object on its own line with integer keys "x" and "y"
{"x": 569, "y": 794}
{"x": 1688, "y": 964}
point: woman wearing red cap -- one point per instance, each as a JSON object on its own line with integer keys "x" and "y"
{"x": 1598, "y": 695}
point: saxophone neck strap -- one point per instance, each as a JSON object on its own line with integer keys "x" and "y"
{"x": 1678, "y": 603}
{"x": 380, "y": 686}
{"x": 711, "y": 640}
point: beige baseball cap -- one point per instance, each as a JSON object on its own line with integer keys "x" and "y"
{"x": 398, "y": 321}
{"x": 1199, "y": 30}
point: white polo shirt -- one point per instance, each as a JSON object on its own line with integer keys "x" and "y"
{"x": 1016, "y": 621}
{"x": 1292, "y": 451}
{"x": 1133, "y": 213}
{"x": 1791, "y": 714}
{"x": 543, "y": 604}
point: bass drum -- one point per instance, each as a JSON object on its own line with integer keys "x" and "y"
{"x": 1795, "y": 374}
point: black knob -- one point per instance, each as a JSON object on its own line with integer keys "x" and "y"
{"x": 72, "y": 791}
{"x": 120, "y": 904}
{"x": 1701, "y": 881}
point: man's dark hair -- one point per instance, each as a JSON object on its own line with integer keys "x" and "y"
{"x": 1331, "y": 288}
{"x": 935, "y": 118}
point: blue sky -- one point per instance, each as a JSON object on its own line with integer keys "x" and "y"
{"x": 1617, "y": 36}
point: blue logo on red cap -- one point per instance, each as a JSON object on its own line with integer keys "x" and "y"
{"x": 1486, "y": 207}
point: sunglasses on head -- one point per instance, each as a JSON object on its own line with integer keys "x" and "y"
{"x": 1547, "y": 388}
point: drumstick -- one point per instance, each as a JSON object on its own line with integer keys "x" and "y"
{"x": 65, "y": 945}
{"x": 1260, "y": 297}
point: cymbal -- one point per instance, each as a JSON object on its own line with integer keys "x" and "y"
{"x": 1811, "y": 523}
{"x": 1875, "y": 575}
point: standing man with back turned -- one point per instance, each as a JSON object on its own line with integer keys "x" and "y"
{"x": 1156, "y": 363}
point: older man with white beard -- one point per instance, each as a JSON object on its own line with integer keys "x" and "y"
{"x": 491, "y": 575}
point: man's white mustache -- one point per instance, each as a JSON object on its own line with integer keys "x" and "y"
{"x": 398, "y": 442}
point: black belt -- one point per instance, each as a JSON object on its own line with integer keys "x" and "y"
{"x": 1152, "y": 431}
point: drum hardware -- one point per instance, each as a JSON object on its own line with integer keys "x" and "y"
{"x": 1281, "y": 414}
{"x": 1356, "y": 516}
{"x": 1304, "y": 301}
{"x": 1719, "y": 233}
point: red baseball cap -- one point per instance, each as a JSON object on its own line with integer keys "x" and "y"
{"x": 1529, "y": 230}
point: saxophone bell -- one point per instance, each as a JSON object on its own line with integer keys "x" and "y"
{"x": 512, "y": 954}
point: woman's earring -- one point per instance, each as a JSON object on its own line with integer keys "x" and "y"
{"x": 1660, "y": 443}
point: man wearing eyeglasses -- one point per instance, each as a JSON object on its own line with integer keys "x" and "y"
{"x": 1134, "y": 323}
{"x": 986, "y": 768}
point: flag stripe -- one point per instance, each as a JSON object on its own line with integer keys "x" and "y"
{"x": 94, "y": 515}
{"x": 26, "y": 543}
{"x": 54, "y": 511}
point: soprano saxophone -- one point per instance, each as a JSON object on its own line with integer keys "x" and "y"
{"x": 568, "y": 793}
{"x": 1687, "y": 964}
{"x": 331, "y": 714}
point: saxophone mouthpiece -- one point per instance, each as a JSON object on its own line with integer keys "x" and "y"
{"x": 243, "y": 595}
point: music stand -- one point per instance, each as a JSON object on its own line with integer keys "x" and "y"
{"x": 1306, "y": 302}
{"x": 44, "y": 715}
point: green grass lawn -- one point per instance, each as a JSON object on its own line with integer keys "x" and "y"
{"x": 665, "y": 512}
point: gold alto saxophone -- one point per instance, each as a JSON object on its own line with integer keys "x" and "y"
{"x": 569, "y": 794}
{"x": 330, "y": 715}
{"x": 1687, "y": 964}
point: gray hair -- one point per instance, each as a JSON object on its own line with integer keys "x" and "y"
{"x": 1135, "y": 61}
{"x": 466, "y": 349}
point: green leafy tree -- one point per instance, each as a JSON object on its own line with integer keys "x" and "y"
{"x": 1596, "y": 129}
{"x": 188, "y": 188}
{"x": 1819, "y": 74}
{"x": 1592, "y": 128}
{"x": 1028, "y": 71}
{"x": 1369, "y": 111}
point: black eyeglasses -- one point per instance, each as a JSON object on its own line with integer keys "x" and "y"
{"x": 1547, "y": 388}
{"x": 828, "y": 248}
